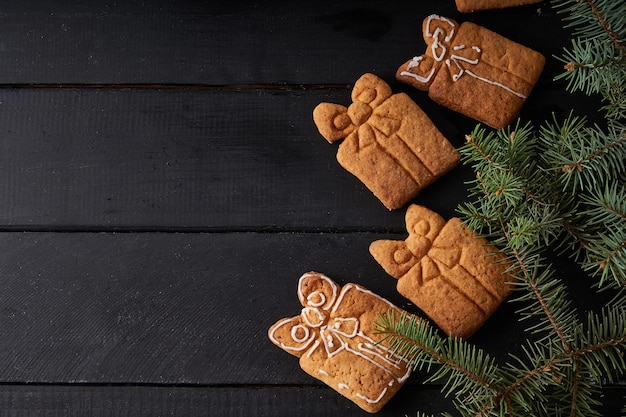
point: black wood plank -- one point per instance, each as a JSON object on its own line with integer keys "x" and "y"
{"x": 151, "y": 401}
{"x": 180, "y": 308}
{"x": 218, "y": 43}
{"x": 252, "y": 159}
{"x": 245, "y": 401}
{"x": 160, "y": 308}
{"x": 213, "y": 151}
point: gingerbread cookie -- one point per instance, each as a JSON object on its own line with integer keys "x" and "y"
{"x": 390, "y": 143}
{"x": 468, "y": 6}
{"x": 473, "y": 70}
{"x": 454, "y": 276}
{"x": 334, "y": 337}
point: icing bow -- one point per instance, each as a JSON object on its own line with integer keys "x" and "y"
{"x": 320, "y": 324}
{"x": 333, "y": 333}
{"x": 441, "y": 32}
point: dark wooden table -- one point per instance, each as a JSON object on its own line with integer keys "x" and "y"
{"x": 163, "y": 187}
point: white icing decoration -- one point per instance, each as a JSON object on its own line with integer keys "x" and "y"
{"x": 361, "y": 289}
{"x": 320, "y": 315}
{"x": 415, "y": 62}
{"x": 439, "y": 51}
{"x": 310, "y": 351}
{"x": 455, "y": 59}
{"x": 497, "y": 84}
{"x": 284, "y": 346}
{"x": 372, "y": 401}
{"x": 341, "y": 385}
{"x": 438, "y": 48}
{"x": 322, "y": 299}
{"x": 372, "y": 349}
{"x": 443, "y": 19}
{"x": 323, "y": 277}
{"x": 330, "y": 335}
{"x": 294, "y": 333}
{"x": 340, "y": 320}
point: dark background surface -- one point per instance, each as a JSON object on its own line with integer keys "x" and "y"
{"x": 163, "y": 188}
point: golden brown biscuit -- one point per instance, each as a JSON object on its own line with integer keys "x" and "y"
{"x": 390, "y": 143}
{"x": 334, "y": 337}
{"x": 473, "y": 70}
{"x": 468, "y": 6}
{"x": 457, "y": 278}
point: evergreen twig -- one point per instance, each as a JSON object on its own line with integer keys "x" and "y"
{"x": 560, "y": 186}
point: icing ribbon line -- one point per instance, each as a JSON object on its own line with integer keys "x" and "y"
{"x": 315, "y": 327}
{"x": 456, "y": 62}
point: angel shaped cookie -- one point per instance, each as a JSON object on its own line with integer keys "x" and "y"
{"x": 455, "y": 277}
{"x": 334, "y": 338}
{"x": 390, "y": 143}
{"x": 473, "y": 70}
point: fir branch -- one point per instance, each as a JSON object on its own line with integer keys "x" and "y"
{"x": 513, "y": 224}
{"x": 420, "y": 414}
{"x": 555, "y": 315}
{"x": 605, "y": 254}
{"x": 596, "y": 60}
{"x": 595, "y": 19}
{"x": 579, "y": 156}
{"x": 601, "y": 345}
{"x": 561, "y": 186}
{"x": 482, "y": 388}
{"x": 417, "y": 341}
{"x": 591, "y": 66}
{"x": 603, "y": 20}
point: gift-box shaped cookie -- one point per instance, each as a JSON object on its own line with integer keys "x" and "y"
{"x": 390, "y": 144}
{"x": 335, "y": 339}
{"x": 457, "y": 278}
{"x": 473, "y": 70}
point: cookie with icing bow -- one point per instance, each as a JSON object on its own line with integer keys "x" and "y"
{"x": 449, "y": 272}
{"x": 473, "y": 70}
{"x": 389, "y": 143}
{"x": 335, "y": 339}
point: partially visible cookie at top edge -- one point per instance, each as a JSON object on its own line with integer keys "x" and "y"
{"x": 389, "y": 143}
{"x": 469, "y": 6}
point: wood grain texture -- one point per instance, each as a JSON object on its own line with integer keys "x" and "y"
{"x": 170, "y": 308}
{"x": 78, "y": 400}
{"x": 163, "y": 188}
{"x": 216, "y": 43}
{"x": 179, "y": 308}
{"x": 155, "y": 401}
{"x": 159, "y": 159}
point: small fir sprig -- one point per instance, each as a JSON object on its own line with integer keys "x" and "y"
{"x": 560, "y": 187}
{"x": 545, "y": 382}
{"x": 596, "y": 60}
